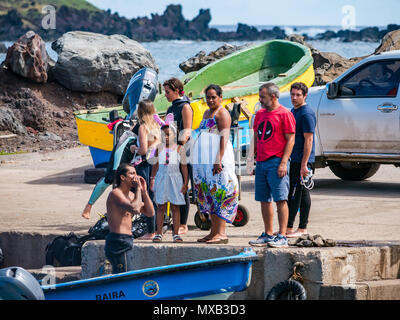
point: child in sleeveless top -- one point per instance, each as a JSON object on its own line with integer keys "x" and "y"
{"x": 167, "y": 182}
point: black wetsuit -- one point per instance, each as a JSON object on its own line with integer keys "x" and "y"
{"x": 119, "y": 250}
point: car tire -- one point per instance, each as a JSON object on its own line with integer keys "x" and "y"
{"x": 287, "y": 290}
{"x": 353, "y": 171}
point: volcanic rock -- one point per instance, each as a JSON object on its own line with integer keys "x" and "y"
{"x": 92, "y": 62}
{"x": 390, "y": 41}
{"x": 9, "y": 122}
{"x": 200, "y": 60}
{"x": 327, "y": 65}
{"x": 28, "y": 57}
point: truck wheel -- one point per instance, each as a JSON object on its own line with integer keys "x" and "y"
{"x": 242, "y": 216}
{"x": 353, "y": 171}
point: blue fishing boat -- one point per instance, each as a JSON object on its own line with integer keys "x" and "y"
{"x": 213, "y": 278}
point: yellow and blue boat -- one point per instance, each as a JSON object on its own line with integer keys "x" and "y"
{"x": 239, "y": 74}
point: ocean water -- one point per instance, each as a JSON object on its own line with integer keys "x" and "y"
{"x": 311, "y": 31}
{"x": 170, "y": 53}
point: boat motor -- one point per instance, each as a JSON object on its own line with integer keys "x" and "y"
{"x": 18, "y": 284}
{"x": 143, "y": 85}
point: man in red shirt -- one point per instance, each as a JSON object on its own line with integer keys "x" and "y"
{"x": 274, "y": 132}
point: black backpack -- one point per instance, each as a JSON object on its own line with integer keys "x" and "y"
{"x": 139, "y": 226}
{"x": 100, "y": 230}
{"x": 65, "y": 250}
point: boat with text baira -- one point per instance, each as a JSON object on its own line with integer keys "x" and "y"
{"x": 191, "y": 280}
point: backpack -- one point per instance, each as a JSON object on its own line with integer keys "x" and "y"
{"x": 139, "y": 226}
{"x": 100, "y": 230}
{"x": 65, "y": 250}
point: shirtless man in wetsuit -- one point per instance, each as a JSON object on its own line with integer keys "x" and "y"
{"x": 129, "y": 197}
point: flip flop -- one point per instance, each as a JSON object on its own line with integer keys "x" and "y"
{"x": 217, "y": 241}
{"x": 157, "y": 238}
{"x": 177, "y": 238}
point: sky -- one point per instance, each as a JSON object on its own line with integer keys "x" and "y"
{"x": 269, "y": 12}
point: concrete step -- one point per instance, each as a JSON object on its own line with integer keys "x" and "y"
{"x": 24, "y": 249}
{"x": 368, "y": 290}
{"x": 339, "y": 266}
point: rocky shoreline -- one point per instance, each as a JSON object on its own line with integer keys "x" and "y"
{"x": 38, "y": 96}
{"x": 171, "y": 25}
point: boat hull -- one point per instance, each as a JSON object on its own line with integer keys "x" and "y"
{"x": 182, "y": 281}
{"x": 93, "y": 130}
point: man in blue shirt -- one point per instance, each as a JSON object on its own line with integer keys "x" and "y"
{"x": 302, "y": 160}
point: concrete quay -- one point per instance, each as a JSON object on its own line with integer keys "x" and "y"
{"x": 349, "y": 271}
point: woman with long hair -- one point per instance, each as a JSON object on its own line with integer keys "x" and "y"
{"x": 148, "y": 138}
{"x": 148, "y": 131}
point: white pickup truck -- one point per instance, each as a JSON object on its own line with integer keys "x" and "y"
{"x": 358, "y": 118}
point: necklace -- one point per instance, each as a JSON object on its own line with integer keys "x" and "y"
{"x": 214, "y": 112}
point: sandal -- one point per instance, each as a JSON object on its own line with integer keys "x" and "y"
{"x": 218, "y": 241}
{"x": 205, "y": 239}
{"x": 157, "y": 238}
{"x": 177, "y": 238}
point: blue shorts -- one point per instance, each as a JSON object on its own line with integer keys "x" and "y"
{"x": 268, "y": 185}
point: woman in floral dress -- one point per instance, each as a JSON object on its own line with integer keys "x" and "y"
{"x": 213, "y": 161}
